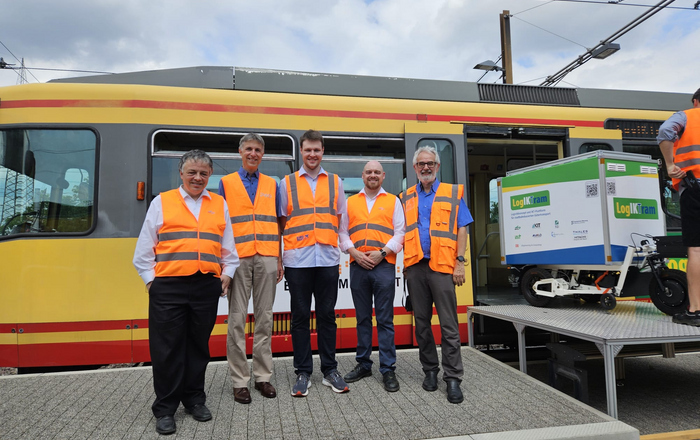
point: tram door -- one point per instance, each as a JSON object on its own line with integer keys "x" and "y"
{"x": 448, "y": 140}
{"x": 492, "y": 151}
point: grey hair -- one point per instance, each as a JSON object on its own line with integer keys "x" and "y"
{"x": 195, "y": 156}
{"x": 426, "y": 149}
{"x": 251, "y": 137}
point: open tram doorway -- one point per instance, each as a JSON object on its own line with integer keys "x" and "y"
{"x": 492, "y": 152}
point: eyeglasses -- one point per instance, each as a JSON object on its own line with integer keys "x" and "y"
{"x": 426, "y": 164}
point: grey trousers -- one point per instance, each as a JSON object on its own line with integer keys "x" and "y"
{"x": 426, "y": 287}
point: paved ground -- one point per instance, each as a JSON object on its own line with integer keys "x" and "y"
{"x": 116, "y": 404}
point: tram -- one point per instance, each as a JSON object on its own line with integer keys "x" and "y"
{"x": 81, "y": 159}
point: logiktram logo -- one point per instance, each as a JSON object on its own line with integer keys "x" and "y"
{"x": 532, "y": 200}
{"x": 636, "y": 208}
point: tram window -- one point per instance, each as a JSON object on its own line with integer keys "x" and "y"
{"x": 446, "y": 152}
{"x": 168, "y": 146}
{"x": 351, "y": 174}
{"x": 588, "y": 147}
{"x": 216, "y": 143}
{"x": 166, "y": 175}
{"x": 347, "y": 157}
{"x": 48, "y": 181}
{"x": 371, "y": 148}
{"x": 493, "y": 201}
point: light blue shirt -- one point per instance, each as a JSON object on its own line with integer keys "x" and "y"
{"x": 316, "y": 255}
{"x": 250, "y": 183}
{"x": 425, "y": 207}
{"x": 672, "y": 127}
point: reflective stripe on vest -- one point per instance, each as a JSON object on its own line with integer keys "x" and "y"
{"x": 312, "y": 218}
{"x": 255, "y": 229}
{"x": 443, "y": 228}
{"x": 371, "y": 231}
{"x": 686, "y": 150}
{"x": 187, "y": 245}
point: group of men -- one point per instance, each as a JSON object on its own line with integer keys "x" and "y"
{"x": 191, "y": 250}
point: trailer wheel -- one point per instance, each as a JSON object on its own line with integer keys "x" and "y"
{"x": 608, "y": 301}
{"x": 673, "y": 298}
{"x": 530, "y": 277}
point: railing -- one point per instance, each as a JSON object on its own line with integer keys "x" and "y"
{"x": 479, "y": 256}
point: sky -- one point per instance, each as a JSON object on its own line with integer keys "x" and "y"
{"x": 426, "y": 39}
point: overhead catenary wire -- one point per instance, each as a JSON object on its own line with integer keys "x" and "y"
{"x": 29, "y": 69}
{"x": 534, "y": 7}
{"x": 69, "y": 70}
{"x": 15, "y": 57}
{"x": 554, "y": 79}
{"x": 557, "y": 35}
{"x": 619, "y": 3}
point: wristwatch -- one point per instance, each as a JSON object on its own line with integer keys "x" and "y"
{"x": 460, "y": 259}
{"x": 383, "y": 252}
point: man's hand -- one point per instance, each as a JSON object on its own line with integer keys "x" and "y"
{"x": 458, "y": 274}
{"x": 225, "y": 283}
{"x": 280, "y": 270}
{"x": 362, "y": 259}
{"x": 148, "y": 287}
{"x": 375, "y": 256}
{"x": 675, "y": 171}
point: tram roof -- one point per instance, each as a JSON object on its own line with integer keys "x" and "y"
{"x": 286, "y": 81}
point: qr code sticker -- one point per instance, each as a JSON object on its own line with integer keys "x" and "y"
{"x": 591, "y": 190}
{"x": 611, "y": 188}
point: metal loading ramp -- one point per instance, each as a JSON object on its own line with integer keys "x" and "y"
{"x": 630, "y": 323}
{"x": 499, "y": 403}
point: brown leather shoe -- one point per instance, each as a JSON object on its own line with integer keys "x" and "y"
{"x": 241, "y": 395}
{"x": 266, "y": 389}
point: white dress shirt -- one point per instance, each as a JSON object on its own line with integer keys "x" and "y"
{"x": 395, "y": 243}
{"x": 318, "y": 255}
{"x": 145, "y": 253}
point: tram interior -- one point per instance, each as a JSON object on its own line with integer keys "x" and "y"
{"x": 490, "y": 159}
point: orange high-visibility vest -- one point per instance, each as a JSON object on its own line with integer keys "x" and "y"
{"x": 371, "y": 231}
{"x": 187, "y": 245}
{"x": 686, "y": 150}
{"x": 254, "y": 225}
{"x": 311, "y": 219}
{"x": 443, "y": 228}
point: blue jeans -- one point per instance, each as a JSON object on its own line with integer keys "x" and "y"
{"x": 377, "y": 283}
{"x": 322, "y": 284}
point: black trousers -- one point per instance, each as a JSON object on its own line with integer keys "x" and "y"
{"x": 181, "y": 316}
{"x": 321, "y": 283}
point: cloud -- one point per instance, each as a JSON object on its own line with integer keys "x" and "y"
{"x": 438, "y": 39}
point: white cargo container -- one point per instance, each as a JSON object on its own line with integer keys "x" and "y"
{"x": 580, "y": 210}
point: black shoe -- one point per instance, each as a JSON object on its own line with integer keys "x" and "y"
{"x": 165, "y": 425}
{"x": 430, "y": 382}
{"x": 687, "y": 318}
{"x": 390, "y": 382}
{"x": 454, "y": 393}
{"x": 357, "y": 373}
{"x": 199, "y": 412}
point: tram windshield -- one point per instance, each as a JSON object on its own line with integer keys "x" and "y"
{"x": 47, "y": 181}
